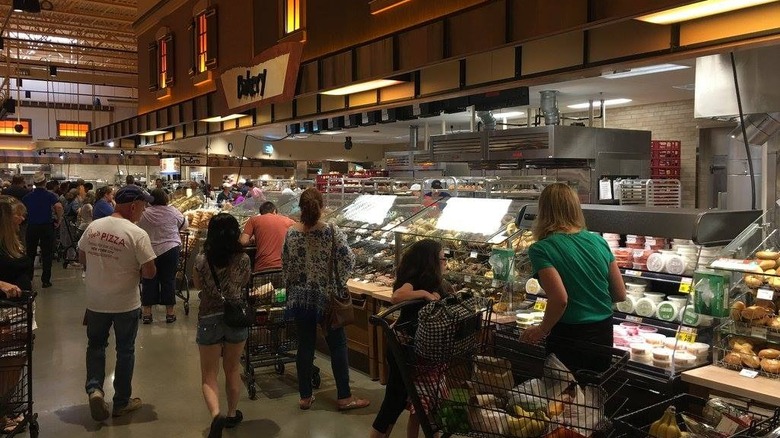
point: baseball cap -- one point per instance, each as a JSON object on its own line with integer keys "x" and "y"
{"x": 131, "y": 193}
{"x": 415, "y": 187}
{"x": 39, "y": 177}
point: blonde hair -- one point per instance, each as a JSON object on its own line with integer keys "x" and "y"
{"x": 9, "y": 237}
{"x": 559, "y": 210}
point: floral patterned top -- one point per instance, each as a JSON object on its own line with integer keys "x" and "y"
{"x": 232, "y": 278}
{"x": 305, "y": 261}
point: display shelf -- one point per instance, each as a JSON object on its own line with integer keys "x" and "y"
{"x": 760, "y": 389}
{"x": 682, "y": 280}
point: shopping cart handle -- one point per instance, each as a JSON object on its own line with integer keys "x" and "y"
{"x": 381, "y": 317}
{"x": 25, "y": 296}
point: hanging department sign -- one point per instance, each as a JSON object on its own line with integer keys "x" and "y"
{"x": 271, "y": 78}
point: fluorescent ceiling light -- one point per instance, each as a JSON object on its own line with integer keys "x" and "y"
{"x": 509, "y": 114}
{"x": 331, "y": 132}
{"x": 700, "y": 9}
{"x": 153, "y": 133}
{"x": 597, "y": 103}
{"x": 219, "y": 119}
{"x": 364, "y": 86}
{"x": 643, "y": 71}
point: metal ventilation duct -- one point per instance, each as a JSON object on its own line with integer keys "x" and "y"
{"x": 488, "y": 121}
{"x": 759, "y": 128}
{"x": 549, "y": 106}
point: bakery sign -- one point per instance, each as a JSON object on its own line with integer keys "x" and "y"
{"x": 270, "y": 78}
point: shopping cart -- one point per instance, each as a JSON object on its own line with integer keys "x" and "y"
{"x": 501, "y": 387}
{"x": 68, "y": 245}
{"x": 183, "y": 288}
{"x": 272, "y": 338}
{"x": 16, "y": 342}
{"x": 637, "y": 424}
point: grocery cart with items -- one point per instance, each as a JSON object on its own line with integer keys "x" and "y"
{"x": 16, "y": 342}
{"x": 67, "y": 250}
{"x": 182, "y": 279}
{"x": 489, "y": 384}
{"x": 272, "y": 338}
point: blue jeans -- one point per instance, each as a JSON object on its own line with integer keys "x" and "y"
{"x": 162, "y": 288}
{"x": 304, "y": 360}
{"x": 125, "y": 329}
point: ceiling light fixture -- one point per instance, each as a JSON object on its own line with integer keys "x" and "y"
{"x": 508, "y": 115}
{"x": 364, "y": 86}
{"x": 153, "y": 133}
{"x": 597, "y": 103}
{"x": 111, "y": 144}
{"x": 219, "y": 119}
{"x": 639, "y": 71}
{"x": 331, "y": 132}
{"x": 700, "y": 9}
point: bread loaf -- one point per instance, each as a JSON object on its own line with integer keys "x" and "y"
{"x": 770, "y": 365}
{"x": 736, "y": 310}
{"x": 754, "y": 281}
{"x": 733, "y": 359}
{"x": 750, "y": 360}
{"x": 769, "y": 353}
{"x": 741, "y": 345}
{"x": 767, "y": 264}
{"x": 755, "y": 312}
{"x": 768, "y": 255}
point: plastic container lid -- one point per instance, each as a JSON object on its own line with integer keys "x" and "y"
{"x": 675, "y": 265}
{"x": 656, "y": 339}
{"x": 657, "y": 297}
{"x": 675, "y": 344}
{"x": 656, "y": 262}
{"x": 532, "y": 286}
{"x": 667, "y": 311}
{"x": 699, "y": 348}
{"x": 641, "y": 349}
{"x": 645, "y": 307}
{"x": 627, "y": 306}
{"x": 663, "y": 354}
{"x": 683, "y": 359}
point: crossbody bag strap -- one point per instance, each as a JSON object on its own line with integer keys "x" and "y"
{"x": 216, "y": 279}
{"x": 332, "y": 262}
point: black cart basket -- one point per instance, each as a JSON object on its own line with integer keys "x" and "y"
{"x": 16, "y": 343}
{"x": 500, "y": 387}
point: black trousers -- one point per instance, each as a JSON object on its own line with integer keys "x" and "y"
{"x": 570, "y": 342}
{"x": 162, "y": 288}
{"x": 41, "y": 235}
{"x": 395, "y": 399}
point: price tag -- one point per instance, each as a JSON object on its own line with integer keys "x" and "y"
{"x": 687, "y": 334}
{"x": 685, "y": 285}
{"x": 540, "y": 304}
{"x": 727, "y": 426}
{"x": 467, "y": 278}
{"x": 758, "y": 332}
{"x": 765, "y": 294}
{"x": 473, "y": 255}
{"x": 748, "y": 373}
{"x": 633, "y": 318}
{"x": 631, "y": 273}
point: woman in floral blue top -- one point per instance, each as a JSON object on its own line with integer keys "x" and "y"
{"x": 305, "y": 258}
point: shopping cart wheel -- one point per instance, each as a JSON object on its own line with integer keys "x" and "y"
{"x": 316, "y": 380}
{"x": 252, "y": 391}
{"x": 279, "y": 368}
{"x": 186, "y": 308}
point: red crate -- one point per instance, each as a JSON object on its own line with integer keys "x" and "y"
{"x": 665, "y": 162}
{"x": 657, "y": 145}
{"x": 664, "y": 153}
{"x": 664, "y": 172}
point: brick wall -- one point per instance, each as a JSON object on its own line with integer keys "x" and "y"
{"x": 666, "y": 121}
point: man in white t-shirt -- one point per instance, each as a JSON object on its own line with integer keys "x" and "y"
{"x": 114, "y": 249}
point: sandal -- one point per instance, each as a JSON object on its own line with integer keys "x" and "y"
{"x": 170, "y": 319}
{"x": 305, "y": 403}
{"x": 146, "y": 319}
{"x": 356, "y": 403}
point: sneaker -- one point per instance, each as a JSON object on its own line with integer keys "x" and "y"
{"x": 98, "y": 406}
{"x": 217, "y": 424}
{"x": 46, "y": 284}
{"x": 134, "y": 404}
{"x": 83, "y": 274}
{"x": 231, "y": 422}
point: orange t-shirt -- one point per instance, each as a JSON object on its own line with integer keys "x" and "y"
{"x": 269, "y": 230}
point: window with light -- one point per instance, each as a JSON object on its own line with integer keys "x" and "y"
{"x": 8, "y": 127}
{"x": 202, "y": 38}
{"x": 72, "y": 129}
{"x": 292, "y": 16}
{"x": 163, "y": 53}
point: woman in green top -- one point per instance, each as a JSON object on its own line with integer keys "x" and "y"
{"x": 580, "y": 277}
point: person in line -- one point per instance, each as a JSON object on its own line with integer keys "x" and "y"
{"x": 16, "y": 268}
{"x": 163, "y": 223}
{"x": 104, "y": 206}
{"x": 580, "y": 277}
{"x": 224, "y": 195}
{"x": 40, "y": 204}
{"x": 18, "y": 189}
{"x": 114, "y": 250}
{"x": 419, "y": 277}
{"x": 305, "y": 256}
{"x": 223, "y": 255}
{"x": 437, "y": 193}
{"x": 268, "y": 229}
{"x": 129, "y": 180}
{"x": 242, "y": 187}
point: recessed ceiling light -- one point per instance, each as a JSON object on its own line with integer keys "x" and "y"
{"x": 509, "y": 114}
{"x": 597, "y": 103}
{"x": 638, "y": 71}
{"x": 331, "y": 132}
{"x": 364, "y": 86}
{"x": 699, "y": 9}
{"x": 219, "y": 119}
{"x": 153, "y": 133}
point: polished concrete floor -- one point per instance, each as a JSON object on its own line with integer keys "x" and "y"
{"x": 167, "y": 378}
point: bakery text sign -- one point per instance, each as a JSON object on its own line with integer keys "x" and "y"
{"x": 270, "y": 78}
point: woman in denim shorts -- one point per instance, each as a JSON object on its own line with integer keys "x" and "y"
{"x": 215, "y": 339}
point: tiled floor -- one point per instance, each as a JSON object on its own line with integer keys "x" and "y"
{"x": 167, "y": 378}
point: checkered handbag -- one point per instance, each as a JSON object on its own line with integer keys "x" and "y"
{"x": 447, "y": 328}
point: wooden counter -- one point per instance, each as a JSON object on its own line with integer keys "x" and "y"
{"x": 362, "y": 335}
{"x": 760, "y": 389}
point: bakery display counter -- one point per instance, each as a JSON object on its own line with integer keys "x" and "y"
{"x": 714, "y": 378}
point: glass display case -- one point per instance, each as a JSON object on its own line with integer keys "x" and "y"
{"x": 518, "y": 187}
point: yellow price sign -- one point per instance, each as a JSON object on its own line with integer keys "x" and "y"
{"x": 687, "y": 334}
{"x": 685, "y": 285}
{"x": 540, "y": 304}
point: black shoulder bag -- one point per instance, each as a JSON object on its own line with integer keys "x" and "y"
{"x": 236, "y": 314}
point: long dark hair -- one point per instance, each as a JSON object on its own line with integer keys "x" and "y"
{"x": 421, "y": 267}
{"x": 311, "y": 204}
{"x": 222, "y": 241}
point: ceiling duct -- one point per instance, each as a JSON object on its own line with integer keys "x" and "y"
{"x": 488, "y": 121}
{"x": 549, "y": 106}
{"x": 759, "y": 128}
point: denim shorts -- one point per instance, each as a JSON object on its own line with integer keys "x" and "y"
{"x": 212, "y": 330}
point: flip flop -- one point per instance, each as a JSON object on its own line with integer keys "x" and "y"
{"x": 305, "y": 405}
{"x": 356, "y": 403}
